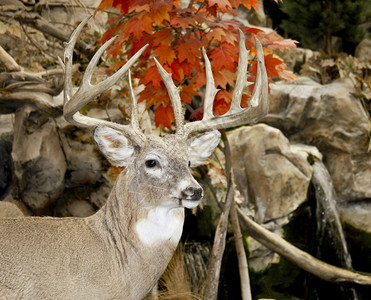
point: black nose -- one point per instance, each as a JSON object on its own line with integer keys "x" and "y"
{"x": 192, "y": 193}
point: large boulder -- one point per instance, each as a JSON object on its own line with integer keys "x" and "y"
{"x": 363, "y": 50}
{"x": 83, "y": 165}
{"x": 39, "y": 162}
{"x": 274, "y": 175}
{"x": 332, "y": 119}
{"x": 270, "y": 172}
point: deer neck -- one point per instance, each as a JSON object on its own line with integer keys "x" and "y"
{"x": 142, "y": 237}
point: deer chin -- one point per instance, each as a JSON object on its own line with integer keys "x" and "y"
{"x": 188, "y": 203}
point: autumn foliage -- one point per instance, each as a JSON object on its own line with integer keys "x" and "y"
{"x": 175, "y": 35}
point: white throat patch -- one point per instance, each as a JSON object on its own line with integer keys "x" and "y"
{"x": 162, "y": 223}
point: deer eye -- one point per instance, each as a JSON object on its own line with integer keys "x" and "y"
{"x": 189, "y": 164}
{"x": 151, "y": 163}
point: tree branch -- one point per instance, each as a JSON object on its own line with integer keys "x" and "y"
{"x": 298, "y": 257}
{"x": 44, "y": 26}
{"x": 213, "y": 272}
{"x": 9, "y": 63}
{"x": 44, "y": 102}
{"x": 241, "y": 254}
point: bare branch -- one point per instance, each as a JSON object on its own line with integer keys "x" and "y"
{"x": 9, "y": 63}
{"x": 44, "y": 26}
{"x": 241, "y": 255}
{"x": 213, "y": 272}
{"x": 298, "y": 257}
{"x": 43, "y": 101}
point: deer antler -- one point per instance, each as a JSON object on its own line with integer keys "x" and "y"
{"x": 87, "y": 92}
{"x": 257, "y": 106}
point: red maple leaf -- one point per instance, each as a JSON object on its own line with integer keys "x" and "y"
{"x": 224, "y": 56}
{"x": 151, "y": 75}
{"x": 247, "y": 3}
{"x": 163, "y": 36}
{"x": 160, "y": 12}
{"x": 183, "y": 22}
{"x": 224, "y": 77}
{"x": 222, "y": 5}
{"x": 188, "y": 50}
{"x": 164, "y": 116}
{"x": 137, "y": 25}
{"x": 165, "y": 54}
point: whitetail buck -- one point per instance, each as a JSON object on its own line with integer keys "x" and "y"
{"x": 121, "y": 251}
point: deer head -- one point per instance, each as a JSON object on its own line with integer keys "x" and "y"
{"x": 160, "y": 166}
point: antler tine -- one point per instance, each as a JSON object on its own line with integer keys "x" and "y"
{"x": 174, "y": 96}
{"x": 211, "y": 91}
{"x": 134, "y": 118}
{"x": 87, "y": 91}
{"x": 258, "y": 105}
{"x": 241, "y": 81}
{"x": 68, "y": 55}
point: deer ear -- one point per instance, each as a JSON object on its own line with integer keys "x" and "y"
{"x": 114, "y": 145}
{"x": 201, "y": 147}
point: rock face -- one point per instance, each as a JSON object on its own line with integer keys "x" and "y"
{"x": 39, "y": 162}
{"x": 334, "y": 121}
{"x": 363, "y": 50}
{"x": 83, "y": 165}
{"x": 270, "y": 172}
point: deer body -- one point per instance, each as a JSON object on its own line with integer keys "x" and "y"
{"x": 121, "y": 251}
{"x": 118, "y": 253}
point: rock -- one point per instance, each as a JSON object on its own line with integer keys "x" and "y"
{"x": 81, "y": 209}
{"x": 99, "y": 196}
{"x": 363, "y": 50}
{"x": 5, "y": 168}
{"x": 83, "y": 165}
{"x": 6, "y": 127}
{"x": 357, "y": 215}
{"x": 331, "y": 119}
{"x": 39, "y": 162}
{"x": 356, "y": 221}
{"x": 270, "y": 172}
{"x": 296, "y": 57}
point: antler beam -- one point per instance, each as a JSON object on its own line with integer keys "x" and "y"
{"x": 87, "y": 92}
{"x": 257, "y": 106}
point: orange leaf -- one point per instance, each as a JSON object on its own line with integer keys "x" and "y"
{"x": 152, "y": 96}
{"x": 137, "y": 25}
{"x": 165, "y": 54}
{"x": 187, "y": 92}
{"x": 216, "y": 33}
{"x": 104, "y": 4}
{"x": 274, "y": 41}
{"x": 139, "y": 6}
{"x": 186, "y": 50}
{"x": 271, "y": 63}
{"x": 159, "y": 13}
{"x": 247, "y": 3}
{"x": 224, "y": 56}
{"x": 151, "y": 75}
{"x": 224, "y": 77}
{"x": 183, "y": 69}
{"x": 222, "y": 102}
{"x": 164, "y": 116}
{"x": 183, "y": 22}
{"x": 222, "y": 5}
{"x": 163, "y": 36}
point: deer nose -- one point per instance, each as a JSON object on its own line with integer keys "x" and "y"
{"x": 192, "y": 193}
